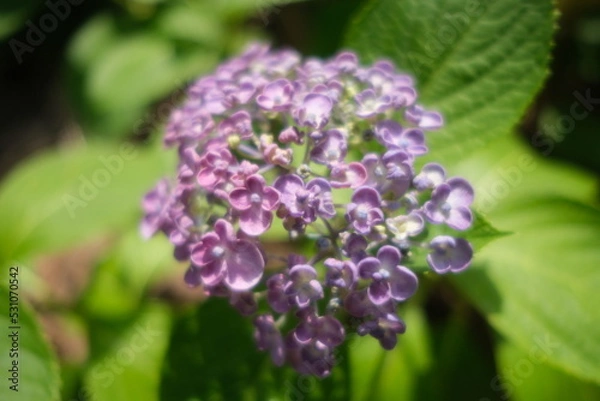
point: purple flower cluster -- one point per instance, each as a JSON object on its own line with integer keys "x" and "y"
{"x": 295, "y": 151}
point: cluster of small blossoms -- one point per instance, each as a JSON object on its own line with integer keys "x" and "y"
{"x": 326, "y": 151}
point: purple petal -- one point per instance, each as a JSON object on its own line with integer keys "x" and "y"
{"x": 315, "y": 111}
{"x": 368, "y": 266}
{"x": 303, "y": 272}
{"x": 403, "y": 283}
{"x": 212, "y": 273}
{"x": 255, "y": 221}
{"x": 224, "y": 230}
{"x": 431, "y": 175}
{"x": 330, "y": 331}
{"x": 389, "y": 257}
{"x": 255, "y": 184}
{"x": 351, "y": 175}
{"x": 276, "y": 96}
{"x": 461, "y": 193}
{"x": 192, "y": 276}
{"x": 245, "y": 266}
{"x": 449, "y": 253}
{"x": 239, "y": 199}
{"x": 460, "y": 218}
{"x": 367, "y": 196}
{"x": 379, "y": 292}
{"x": 270, "y": 199}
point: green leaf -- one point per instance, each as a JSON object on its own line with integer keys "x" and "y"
{"x": 525, "y": 376}
{"x": 479, "y": 62}
{"x": 121, "y": 280}
{"x": 212, "y": 356}
{"x": 482, "y": 232}
{"x": 62, "y": 197}
{"x": 131, "y": 368}
{"x": 540, "y": 285}
{"x": 507, "y": 172}
{"x": 38, "y": 377}
{"x": 115, "y": 80}
{"x": 13, "y": 14}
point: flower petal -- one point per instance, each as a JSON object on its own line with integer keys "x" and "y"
{"x": 245, "y": 266}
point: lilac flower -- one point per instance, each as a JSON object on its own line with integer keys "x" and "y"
{"x": 355, "y": 247}
{"x": 346, "y": 62}
{"x": 240, "y": 124}
{"x": 303, "y": 286}
{"x": 156, "y": 205}
{"x": 313, "y": 358}
{"x": 314, "y": 111}
{"x": 240, "y": 166}
{"x": 276, "y": 96}
{"x": 390, "y": 173}
{"x": 268, "y": 338}
{"x": 370, "y": 104}
{"x": 351, "y": 175}
{"x": 405, "y": 226}
{"x": 187, "y": 126}
{"x": 450, "y": 204}
{"x": 385, "y": 329}
{"x": 431, "y": 175}
{"x": 331, "y": 149}
{"x": 214, "y": 168}
{"x": 325, "y": 329}
{"x": 255, "y": 202}
{"x": 244, "y": 170}
{"x": 291, "y": 135}
{"x": 449, "y": 254}
{"x": 342, "y": 274}
{"x": 277, "y": 156}
{"x": 429, "y": 120}
{"x": 310, "y": 345}
{"x": 359, "y": 304}
{"x": 391, "y": 134}
{"x": 333, "y": 89}
{"x": 276, "y": 296}
{"x": 221, "y": 257}
{"x": 306, "y": 202}
{"x": 364, "y": 212}
{"x": 390, "y": 280}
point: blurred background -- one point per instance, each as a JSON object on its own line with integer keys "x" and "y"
{"x": 80, "y": 78}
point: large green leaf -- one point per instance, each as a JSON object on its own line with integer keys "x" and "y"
{"x": 525, "y": 376}
{"x": 479, "y": 62}
{"x": 36, "y": 373}
{"x": 121, "y": 280}
{"x": 130, "y": 370}
{"x": 507, "y": 172}
{"x": 62, "y": 197}
{"x": 539, "y": 287}
{"x": 212, "y": 356}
